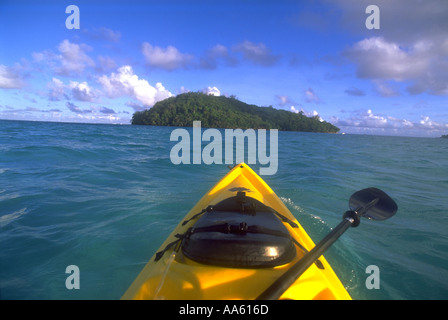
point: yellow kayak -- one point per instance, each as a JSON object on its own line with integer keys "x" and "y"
{"x": 233, "y": 244}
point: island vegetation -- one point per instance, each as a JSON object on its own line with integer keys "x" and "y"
{"x": 445, "y": 136}
{"x": 226, "y": 112}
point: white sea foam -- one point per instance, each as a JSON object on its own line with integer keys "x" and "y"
{"x": 298, "y": 208}
{"x": 8, "y": 218}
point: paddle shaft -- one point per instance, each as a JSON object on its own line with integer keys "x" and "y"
{"x": 275, "y": 291}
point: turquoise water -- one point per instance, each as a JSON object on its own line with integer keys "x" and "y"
{"x": 104, "y": 198}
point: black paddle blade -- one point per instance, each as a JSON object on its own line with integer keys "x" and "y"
{"x": 373, "y": 203}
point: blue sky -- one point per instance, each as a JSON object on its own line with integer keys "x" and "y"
{"x": 312, "y": 56}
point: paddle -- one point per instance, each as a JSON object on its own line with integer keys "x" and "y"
{"x": 371, "y": 203}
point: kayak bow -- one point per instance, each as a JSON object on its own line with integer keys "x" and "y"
{"x": 233, "y": 244}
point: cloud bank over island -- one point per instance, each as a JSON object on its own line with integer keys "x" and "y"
{"x": 316, "y": 57}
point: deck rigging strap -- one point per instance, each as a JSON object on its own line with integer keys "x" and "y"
{"x": 212, "y": 208}
{"x": 208, "y": 209}
{"x": 175, "y": 243}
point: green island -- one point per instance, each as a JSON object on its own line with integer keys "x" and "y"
{"x": 226, "y": 112}
{"x": 445, "y": 136}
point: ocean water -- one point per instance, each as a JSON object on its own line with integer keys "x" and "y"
{"x": 104, "y": 198}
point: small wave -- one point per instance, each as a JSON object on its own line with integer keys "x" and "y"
{"x": 297, "y": 208}
{"x": 8, "y": 218}
{"x": 291, "y": 203}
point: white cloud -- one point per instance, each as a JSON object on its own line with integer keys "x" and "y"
{"x": 56, "y": 90}
{"x": 92, "y": 114}
{"x": 372, "y": 120}
{"x": 82, "y": 91}
{"x": 106, "y": 110}
{"x": 216, "y": 55}
{"x": 404, "y": 21}
{"x": 256, "y": 53}
{"x": 353, "y": 91}
{"x": 10, "y": 78}
{"x": 380, "y": 59}
{"x": 426, "y": 122}
{"x": 103, "y": 34}
{"x": 366, "y": 119}
{"x": 76, "y": 109}
{"x": 126, "y": 83}
{"x": 284, "y": 100}
{"x": 423, "y": 63}
{"x": 183, "y": 90}
{"x": 213, "y": 91}
{"x": 411, "y": 45}
{"x": 72, "y": 59}
{"x": 294, "y": 109}
{"x": 169, "y": 58}
{"x": 371, "y": 123}
{"x": 311, "y": 96}
{"x": 313, "y": 113}
{"x": 385, "y": 89}
{"x": 106, "y": 64}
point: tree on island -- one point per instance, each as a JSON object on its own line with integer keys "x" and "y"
{"x": 223, "y": 112}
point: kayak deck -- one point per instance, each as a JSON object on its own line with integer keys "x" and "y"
{"x": 235, "y": 242}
